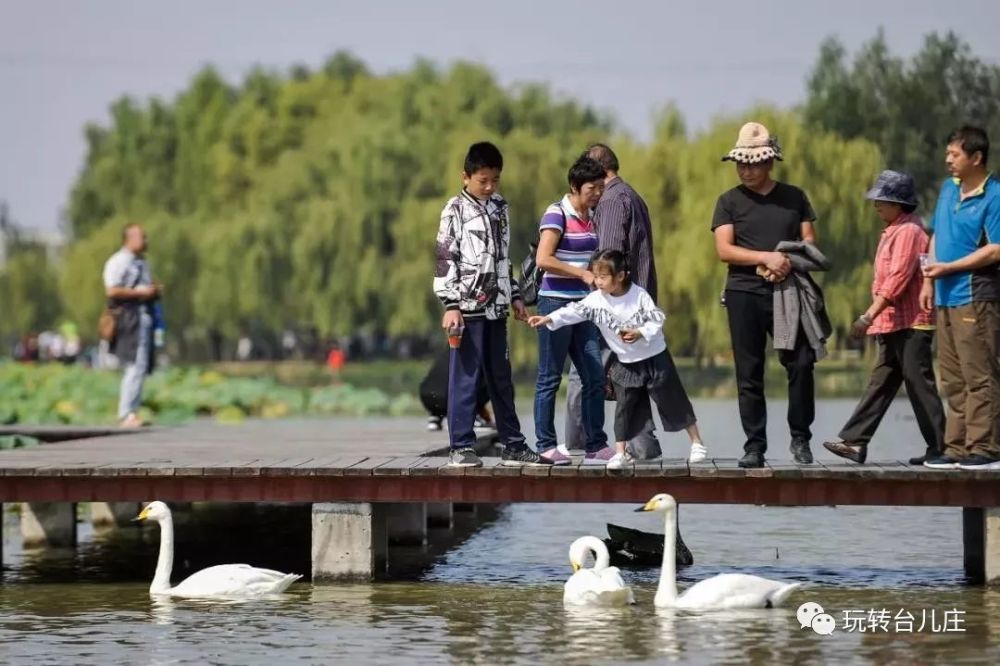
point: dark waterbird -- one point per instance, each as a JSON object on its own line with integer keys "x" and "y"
{"x": 630, "y": 547}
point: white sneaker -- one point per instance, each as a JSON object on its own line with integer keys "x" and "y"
{"x": 698, "y": 453}
{"x": 618, "y": 461}
{"x": 561, "y": 448}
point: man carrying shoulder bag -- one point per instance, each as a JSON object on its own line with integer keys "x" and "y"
{"x": 127, "y": 322}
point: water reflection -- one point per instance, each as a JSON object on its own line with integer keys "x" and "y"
{"x": 161, "y": 610}
{"x": 416, "y": 623}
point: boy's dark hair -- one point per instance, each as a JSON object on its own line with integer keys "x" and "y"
{"x": 482, "y": 155}
{"x": 972, "y": 140}
{"x": 908, "y": 208}
{"x": 584, "y": 170}
{"x": 603, "y": 154}
{"x": 614, "y": 261}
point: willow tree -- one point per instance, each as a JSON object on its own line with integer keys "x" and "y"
{"x": 309, "y": 199}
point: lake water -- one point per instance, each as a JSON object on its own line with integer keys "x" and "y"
{"x": 496, "y": 598}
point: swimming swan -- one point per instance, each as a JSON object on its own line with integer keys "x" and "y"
{"x": 722, "y": 591}
{"x": 224, "y": 580}
{"x": 601, "y": 585}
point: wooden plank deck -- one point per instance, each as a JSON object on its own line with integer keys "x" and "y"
{"x": 385, "y": 461}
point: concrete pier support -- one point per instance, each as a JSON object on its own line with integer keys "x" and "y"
{"x": 981, "y": 540}
{"x": 349, "y": 541}
{"x": 407, "y": 523}
{"x": 48, "y": 524}
{"x": 439, "y": 514}
{"x": 113, "y": 514}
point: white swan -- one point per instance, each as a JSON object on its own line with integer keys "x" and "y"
{"x": 722, "y": 591}
{"x": 600, "y": 585}
{"x": 223, "y": 581}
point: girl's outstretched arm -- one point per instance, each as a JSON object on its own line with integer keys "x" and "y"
{"x": 652, "y": 317}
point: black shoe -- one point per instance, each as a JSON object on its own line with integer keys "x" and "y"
{"x": 976, "y": 461}
{"x": 752, "y": 459}
{"x": 800, "y": 452}
{"x": 920, "y": 460}
{"x": 942, "y": 462}
{"x": 464, "y": 458}
{"x": 522, "y": 457}
{"x": 855, "y": 452}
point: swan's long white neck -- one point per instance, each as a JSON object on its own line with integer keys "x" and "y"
{"x": 165, "y": 561}
{"x": 579, "y": 548}
{"x": 602, "y": 559}
{"x": 666, "y": 591}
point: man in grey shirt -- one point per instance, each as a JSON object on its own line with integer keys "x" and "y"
{"x": 129, "y": 288}
{"x": 622, "y": 221}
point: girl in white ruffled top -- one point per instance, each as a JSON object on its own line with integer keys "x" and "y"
{"x": 632, "y": 326}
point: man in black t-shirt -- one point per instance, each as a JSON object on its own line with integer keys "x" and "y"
{"x": 749, "y": 222}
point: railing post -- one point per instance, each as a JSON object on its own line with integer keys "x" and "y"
{"x": 439, "y": 514}
{"x": 991, "y": 545}
{"x": 981, "y": 541}
{"x": 48, "y": 524}
{"x": 349, "y": 541}
{"x": 407, "y": 523}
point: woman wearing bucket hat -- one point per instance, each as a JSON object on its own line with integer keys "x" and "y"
{"x": 749, "y": 222}
{"x": 902, "y": 329}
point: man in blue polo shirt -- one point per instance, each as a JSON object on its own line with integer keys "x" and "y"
{"x": 966, "y": 279}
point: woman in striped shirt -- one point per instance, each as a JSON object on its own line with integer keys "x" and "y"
{"x": 567, "y": 239}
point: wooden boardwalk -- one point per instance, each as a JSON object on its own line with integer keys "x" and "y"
{"x": 385, "y": 460}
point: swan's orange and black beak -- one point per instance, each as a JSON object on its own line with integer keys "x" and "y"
{"x": 143, "y": 515}
{"x": 648, "y": 506}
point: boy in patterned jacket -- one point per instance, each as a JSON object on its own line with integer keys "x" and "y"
{"x": 475, "y": 283}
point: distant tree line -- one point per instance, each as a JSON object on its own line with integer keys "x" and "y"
{"x": 310, "y": 199}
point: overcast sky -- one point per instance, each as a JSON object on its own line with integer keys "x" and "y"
{"x": 62, "y": 63}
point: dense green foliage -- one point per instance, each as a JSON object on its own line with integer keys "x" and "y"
{"x": 312, "y": 198}
{"x": 72, "y": 394}
{"x": 908, "y": 108}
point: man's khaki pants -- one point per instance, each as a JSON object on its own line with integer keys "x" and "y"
{"x": 969, "y": 365}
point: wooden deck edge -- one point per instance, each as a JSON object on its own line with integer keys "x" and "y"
{"x": 472, "y": 487}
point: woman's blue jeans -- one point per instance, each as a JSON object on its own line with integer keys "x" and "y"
{"x": 580, "y": 343}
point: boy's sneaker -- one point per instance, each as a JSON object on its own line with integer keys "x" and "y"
{"x": 599, "y": 457}
{"x": 555, "y": 456}
{"x": 464, "y": 458}
{"x": 942, "y": 462}
{"x": 434, "y": 424}
{"x": 522, "y": 457}
{"x": 619, "y": 461}
{"x": 977, "y": 461}
{"x": 698, "y": 453}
